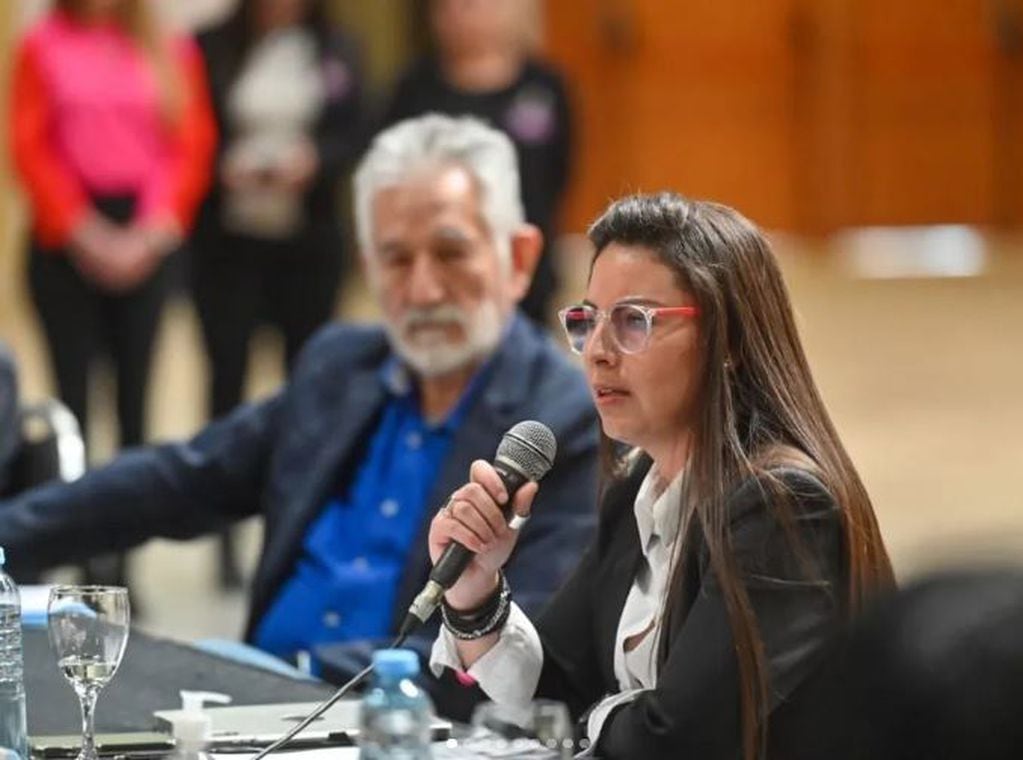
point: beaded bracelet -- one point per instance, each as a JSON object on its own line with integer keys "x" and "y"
{"x": 485, "y": 619}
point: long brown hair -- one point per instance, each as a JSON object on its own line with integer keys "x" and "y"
{"x": 758, "y": 408}
{"x": 139, "y": 22}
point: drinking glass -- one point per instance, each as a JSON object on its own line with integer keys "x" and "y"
{"x": 88, "y": 632}
{"x": 543, "y": 729}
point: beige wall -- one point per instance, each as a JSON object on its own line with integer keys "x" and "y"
{"x": 8, "y": 225}
{"x": 383, "y": 31}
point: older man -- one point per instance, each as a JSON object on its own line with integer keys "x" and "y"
{"x": 376, "y": 425}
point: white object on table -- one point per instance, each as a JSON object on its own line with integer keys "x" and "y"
{"x": 34, "y": 599}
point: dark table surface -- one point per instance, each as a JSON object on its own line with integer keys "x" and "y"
{"x": 152, "y": 673}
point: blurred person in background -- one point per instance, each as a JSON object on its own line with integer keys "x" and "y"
{"x": 287, "y": 98}
{"x": 112, "y": 137}
{"x": 375, "y": 426}
{"x": 482, "y": 65}
{"x": 934, "y": 671}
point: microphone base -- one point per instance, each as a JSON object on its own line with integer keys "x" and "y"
{"x": 422, "y": 607}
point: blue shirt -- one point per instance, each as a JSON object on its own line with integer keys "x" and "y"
{"x": 354, "y": 553}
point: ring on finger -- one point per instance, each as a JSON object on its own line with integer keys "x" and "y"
{"x": 518, "y": 521}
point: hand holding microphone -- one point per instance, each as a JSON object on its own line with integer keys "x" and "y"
{"x": 475, "y": 518}
{"x": 470, "y": 538}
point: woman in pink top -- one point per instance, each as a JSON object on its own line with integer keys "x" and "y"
{"x": 112, "y": 135}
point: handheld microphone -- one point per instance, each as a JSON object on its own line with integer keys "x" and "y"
{"x": 526, "y": 453}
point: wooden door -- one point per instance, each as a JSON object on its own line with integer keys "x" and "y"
{"x": 1006, "y": 19}
{"x": 806, "y": 114}
{"x": 922, "y": 101}
{"x": 694, "y": 96}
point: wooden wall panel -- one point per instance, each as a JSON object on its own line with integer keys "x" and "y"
{"x": 693, "y": 96}
{"x": 590, "y": 48}
{"x": 715, "y": 99}
{"x": 1006, "y": 20}
{"x": 923, "y": 99}
{"x": 807, "y": 114}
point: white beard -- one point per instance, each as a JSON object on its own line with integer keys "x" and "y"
{"x": 431, "y": 352}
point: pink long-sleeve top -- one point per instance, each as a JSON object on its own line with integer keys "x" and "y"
{"x": 87, "y": 121}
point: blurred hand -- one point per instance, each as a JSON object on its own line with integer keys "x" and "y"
{"x": 298, "y": 167}
{"x": 473, "y": 517}
{"x": 90, "y": 248}
{"x": 114, "y": 258}
{"x": 237, "y": 175}
{"x": 161, "y": 235}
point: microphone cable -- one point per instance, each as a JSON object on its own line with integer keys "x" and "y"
{"x": 327, "y": 704}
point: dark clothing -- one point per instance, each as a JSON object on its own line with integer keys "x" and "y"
{"x": 283, "y": 457}
{"x": 240, "y": 281}
{"x": 10, "y": 433}
{"x": 293, "y": 284}
{"x": 534, "y": 112}
{"x": 934, "y": 670}
{"x": 694, "y": 711}
{"x": 83, "y": 322}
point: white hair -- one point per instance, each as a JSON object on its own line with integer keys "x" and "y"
{"x": 430, "y": 354}
{"x": 434, "y": 141}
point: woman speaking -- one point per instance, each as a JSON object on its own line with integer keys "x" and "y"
{"x": 735, "y": 535}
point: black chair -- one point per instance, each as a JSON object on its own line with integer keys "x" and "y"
{"x": 47, "y": 445}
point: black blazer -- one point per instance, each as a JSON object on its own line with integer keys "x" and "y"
{"x": 694, "y": 711}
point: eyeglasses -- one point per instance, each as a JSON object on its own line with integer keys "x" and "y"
{"x": 630, "y": 324}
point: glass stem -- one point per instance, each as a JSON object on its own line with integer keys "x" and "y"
{"x": 87, "y": 699}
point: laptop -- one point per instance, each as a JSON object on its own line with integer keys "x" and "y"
{"x": 242, "y": 726}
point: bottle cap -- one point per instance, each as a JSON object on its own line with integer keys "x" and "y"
{"x": 397, "y": 663}
{"x": 192, "y": 725}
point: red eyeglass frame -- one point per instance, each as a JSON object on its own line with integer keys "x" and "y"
{"x": 648, "y": 312}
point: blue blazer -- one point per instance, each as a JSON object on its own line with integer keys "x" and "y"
{"x": 283, "y": 456}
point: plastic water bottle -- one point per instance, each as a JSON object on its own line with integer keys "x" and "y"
{"x": 396, "y": 713}
{"x": 13, "y": 732}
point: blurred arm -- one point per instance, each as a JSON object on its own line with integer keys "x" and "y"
{"x": 59, "y": 203}
{"x": 178, "y": 490}
{"x": 174, "y": 193}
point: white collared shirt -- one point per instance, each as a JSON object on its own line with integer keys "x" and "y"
{"x": 510, "y": 671}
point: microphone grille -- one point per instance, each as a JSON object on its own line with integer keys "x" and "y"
{"x": 531, "y": 447}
